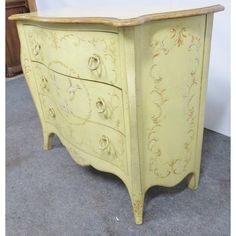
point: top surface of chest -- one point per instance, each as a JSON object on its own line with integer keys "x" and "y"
{"x": 123, "y": 9}
{"x": 122, "y": 13}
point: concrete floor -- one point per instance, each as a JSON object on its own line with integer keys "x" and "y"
{"x": 47, "y": 194}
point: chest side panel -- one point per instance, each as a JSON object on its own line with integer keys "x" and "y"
{"x": 170, "y": 85}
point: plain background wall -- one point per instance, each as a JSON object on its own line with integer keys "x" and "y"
{"x": 218, "y": 95}
{"x": 217, "y": 116}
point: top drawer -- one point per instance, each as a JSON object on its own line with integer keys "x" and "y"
{"x": 81, "y": 54}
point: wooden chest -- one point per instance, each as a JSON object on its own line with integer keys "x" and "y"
{"x": 126, "y": 96}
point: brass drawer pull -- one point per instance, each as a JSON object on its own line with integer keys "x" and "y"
{"x": 52, "y": 112}
{"x": 101, "y": 105}
{"x": 104, "y": 142}
{"x": 93, "y": 62}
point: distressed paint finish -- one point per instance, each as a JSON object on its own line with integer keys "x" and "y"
{"x": 127, "y": 100}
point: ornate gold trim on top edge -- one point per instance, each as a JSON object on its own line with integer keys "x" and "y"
{"x": 119, "y": 22}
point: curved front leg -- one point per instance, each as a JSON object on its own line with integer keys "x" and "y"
{"x": 138, "y": 204}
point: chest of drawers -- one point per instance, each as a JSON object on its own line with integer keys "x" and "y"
{"x": 123, "y": 95}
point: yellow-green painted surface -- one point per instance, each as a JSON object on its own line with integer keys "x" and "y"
{"x": 128, "y": 100}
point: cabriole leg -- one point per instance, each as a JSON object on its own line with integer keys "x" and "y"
{"x": 137, "y": 203}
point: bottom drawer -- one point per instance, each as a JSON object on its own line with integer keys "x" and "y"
{"x": 97, "y": 140}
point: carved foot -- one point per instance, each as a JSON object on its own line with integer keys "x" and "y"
{"x": 193, "y": 182}
{"x": 138, "y": 210}
{"x": 47, "y": 140}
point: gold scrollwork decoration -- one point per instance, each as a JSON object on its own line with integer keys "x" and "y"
{"x": 26, "y": 66}
{"x": 159, "y": 100}
{"x": 103, "y": 65}
{"x": 178, "y": 35}
{"x": 157, "y": 165}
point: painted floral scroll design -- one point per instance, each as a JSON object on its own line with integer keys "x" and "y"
{"x": 159, "y": 99}
{"x": 63, "y": 92}
{"x": 70, "y": 95}
{"x": 178, "y": 37}
{"x": 69, "y": 70}
{"x": 100, "y": 145}
{"x": 26, "y": 67}
{"x": 57, "y": 95}
{"x": 105, "y": 47}
{"x": 137, "y": 207}
{"x": 190, "y": 113}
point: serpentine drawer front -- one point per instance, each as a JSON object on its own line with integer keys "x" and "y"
{"x": 99, "y": 62}
{"x": 103, "y": 102}
{"x": 125, "y": 95}
{"x": 103, "y": 143}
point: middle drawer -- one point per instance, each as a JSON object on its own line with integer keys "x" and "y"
{"x": 79, "y": 100}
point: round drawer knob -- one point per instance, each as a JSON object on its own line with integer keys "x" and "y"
{"x": 101, "y": 105}
{"x": 52, "y": 112}
{"x": 37, "y": 49}
{"x": 93, "y": 62}
{"x": 104, "y": 142}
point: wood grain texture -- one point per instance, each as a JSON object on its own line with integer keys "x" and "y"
{"x": 35, "y": 17}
